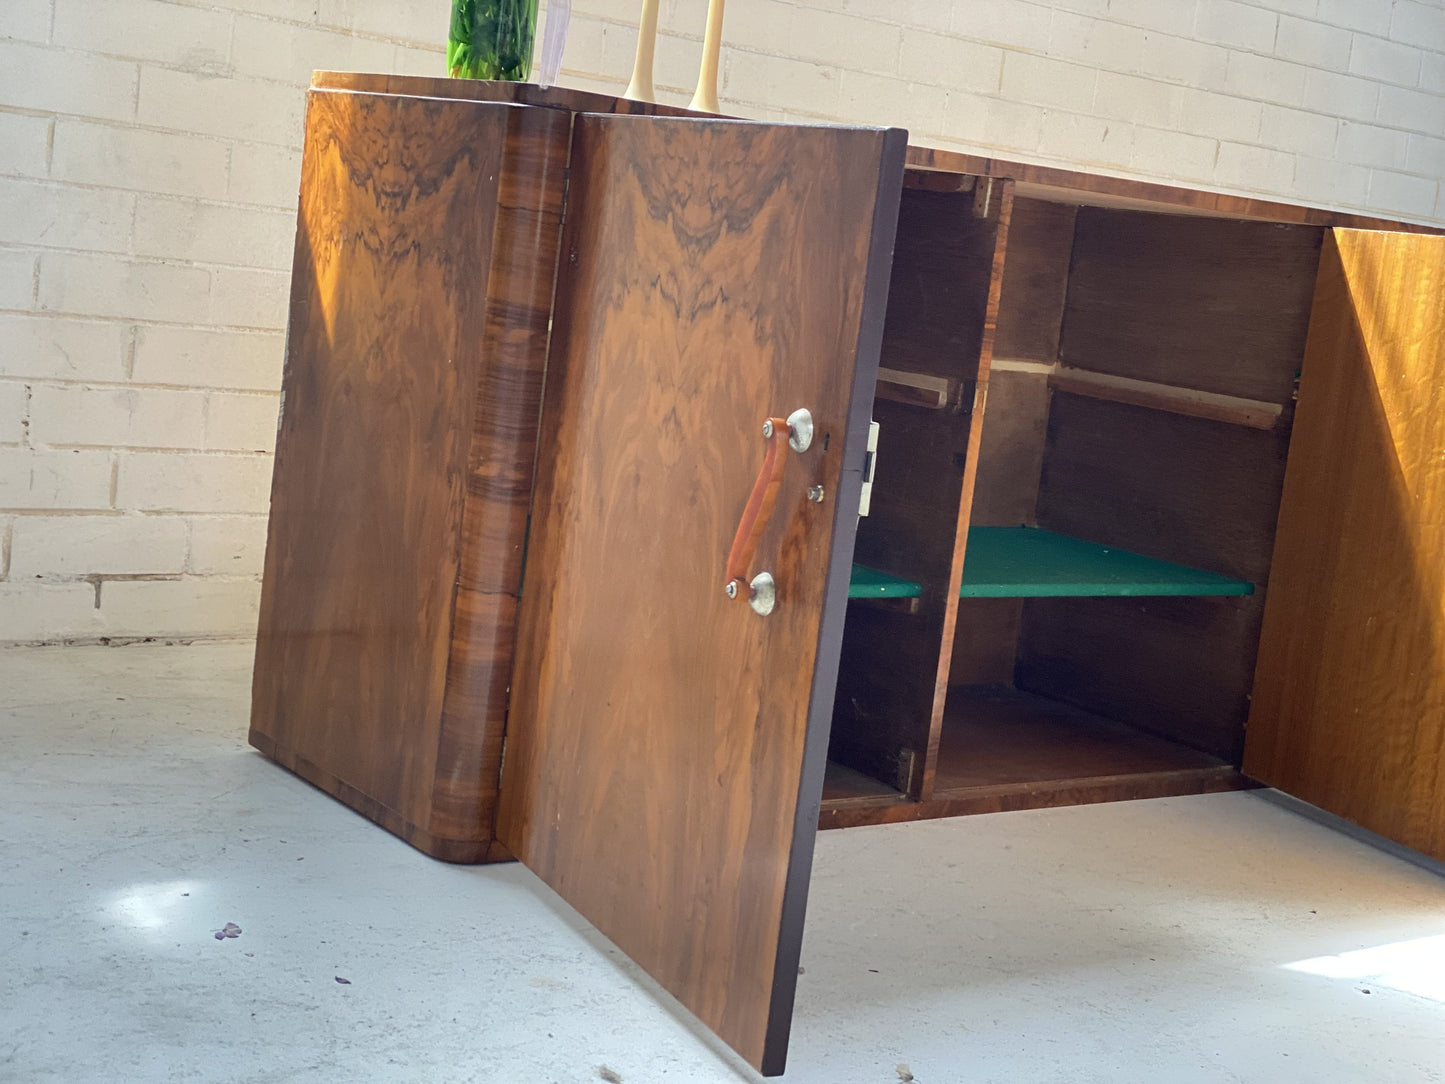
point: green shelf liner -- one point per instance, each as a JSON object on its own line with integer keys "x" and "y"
{"x": 1026, "y": 562}
{"x": 870, "y": 583}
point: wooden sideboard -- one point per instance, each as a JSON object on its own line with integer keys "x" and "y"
{"x": 1156, "y": 506}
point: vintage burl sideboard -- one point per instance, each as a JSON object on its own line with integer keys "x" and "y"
{"x": 566, "y": 562}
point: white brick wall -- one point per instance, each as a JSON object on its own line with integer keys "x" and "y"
{"x": 149, "y": 154}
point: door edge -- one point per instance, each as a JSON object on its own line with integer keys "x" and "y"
{"x": 835, "y": 601}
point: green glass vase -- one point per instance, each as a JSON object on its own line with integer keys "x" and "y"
{"x": 491, "y": 39}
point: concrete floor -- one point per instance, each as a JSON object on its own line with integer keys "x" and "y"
{"x": 1216, "y": 938}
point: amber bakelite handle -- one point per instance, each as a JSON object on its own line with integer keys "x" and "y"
{"x": 759, "y": 509}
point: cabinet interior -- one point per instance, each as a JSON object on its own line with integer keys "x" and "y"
{"x": 1105, "y": 465}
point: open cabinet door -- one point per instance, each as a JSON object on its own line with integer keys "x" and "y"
{"x": 666, "y": 743}
{"x": 1349, "y": 700}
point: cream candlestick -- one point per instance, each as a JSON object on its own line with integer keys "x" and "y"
{"x": 705, "y": 100}
{"x": 641, "y": 89}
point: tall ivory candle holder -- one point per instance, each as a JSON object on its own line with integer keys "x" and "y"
{"x": 641, "y": 89}
{"x": 705, "y": 98}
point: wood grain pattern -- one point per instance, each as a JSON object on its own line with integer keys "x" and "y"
{"x": 425, "y": 256}
{"x": 500, "y": 465}
{"x": 957, "y": 171}
{"x": 1349, "y": 703}
{"x": 667, "y": 746}
{"x": 1196, "y": 492}
{"x": 938, "y": 324}
{"x": 1194, "y": 302}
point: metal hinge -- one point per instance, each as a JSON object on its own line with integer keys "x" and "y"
{"x": 870, "y": 465}
{"x": 983, "y": 197}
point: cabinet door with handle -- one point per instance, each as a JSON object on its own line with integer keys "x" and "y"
{"x": 721, "y": 293}
{"x": 1349, "y": 699}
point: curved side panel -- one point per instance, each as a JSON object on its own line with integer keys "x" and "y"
{"x": 404, "y": 458}
{"x": 499, "y": 473}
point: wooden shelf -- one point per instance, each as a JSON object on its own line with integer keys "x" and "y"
{"x": 844, "y": 786}
{"x": 919, "y": 389}
{"x": 1026, "y": 562}
{"x": 1002, "y": 750}
{"x": 1190, "y": 402}
{"x": 997, "y": 737}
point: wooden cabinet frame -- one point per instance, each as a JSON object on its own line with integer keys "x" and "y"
{"x": 1098, "y": 370}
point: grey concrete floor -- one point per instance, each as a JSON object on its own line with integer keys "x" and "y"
{"x": 1213, "y": 938}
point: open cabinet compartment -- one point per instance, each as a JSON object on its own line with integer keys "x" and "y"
{"x": 939, "y": 316}
{"x": 1110, "y": 476}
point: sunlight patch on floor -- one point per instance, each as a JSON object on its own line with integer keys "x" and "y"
{"x": 1412, "y": 967}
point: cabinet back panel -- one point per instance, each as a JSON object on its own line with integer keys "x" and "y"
{"x": 1200, "y": 303}
{"x": 1035, "y": 281}
{"x": 1189, "y": 490}
{"x": 985, "y": 641}
{"x": 937, "y": 324}
{"x": 938, "y": 293}
{"x": 1011, "y": 453}
{"x": 1197, "y": 492}
{"x": 1180, "y": 667}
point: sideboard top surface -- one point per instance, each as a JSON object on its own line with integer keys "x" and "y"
{"x": 1032, "y": 180}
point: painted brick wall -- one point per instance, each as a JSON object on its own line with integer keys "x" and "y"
{"x": 149, "y": 159}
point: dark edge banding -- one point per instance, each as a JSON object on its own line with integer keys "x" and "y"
{"x": 512, "y": 120}
{"x": 559, "y": 124}
{"x": 835, "y": 602}
{"x": 563, "y": 224}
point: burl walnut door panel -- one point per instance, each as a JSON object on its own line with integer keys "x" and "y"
{"x": 666, "y": 744}
{"x": 421, "y": 291}
{"x": 1349, "y": 699}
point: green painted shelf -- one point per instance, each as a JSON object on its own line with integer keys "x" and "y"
{"x": 1026, "y": 562}
{"x": 870, "y": 583}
